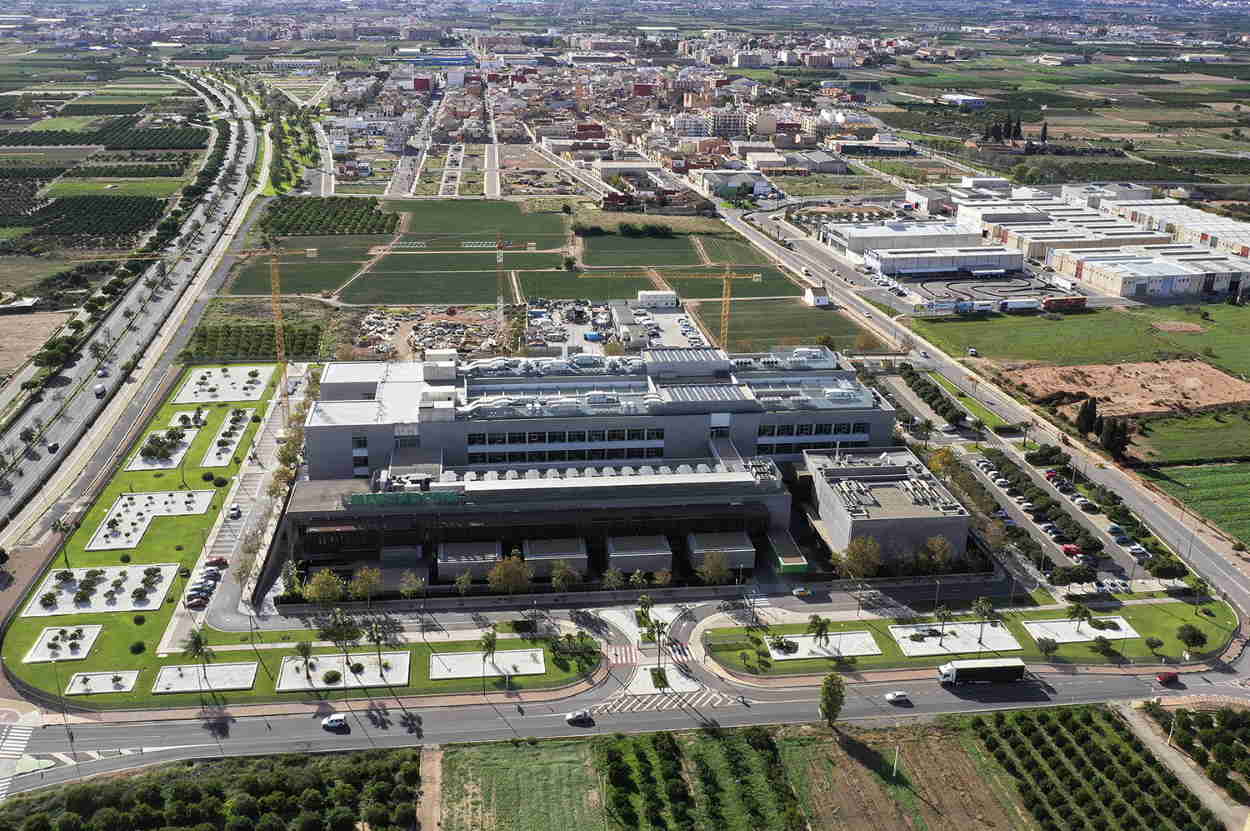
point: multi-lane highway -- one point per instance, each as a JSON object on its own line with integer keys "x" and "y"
{"x": 79, "y": 394}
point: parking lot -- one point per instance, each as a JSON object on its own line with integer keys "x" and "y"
{"x": 1118, "y": 566}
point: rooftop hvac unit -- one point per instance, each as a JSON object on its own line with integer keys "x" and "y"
{"x": 609, "y": 471}
{"x": 646, "y": 470}
{"x": 665, "y": 470}
{"x": 512, "y": 474}
{"x": 703, "y": 469}
{"x": 532, "y": 474}
{"x": 470, "y": 476}
{"x": 572, "y": 473}
{"x": 591, "y": 473}
{"x": 448, "y": 476}
{"x": 684, "y": 470}
{"x": 627, "y": 471}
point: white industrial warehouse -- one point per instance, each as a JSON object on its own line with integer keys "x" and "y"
{"x": 1155, "y": 271}
{"x": 979, "y": 260}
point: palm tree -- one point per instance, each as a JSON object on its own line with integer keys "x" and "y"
{"x": 943, "y": 614}
{"x": 377, "y": 635}
{"x": 195, "y": 646}
{"x": 644, "y": 605}
{"x": 818, "y": 627}
{"x": 983, "y": 608}
{"x": 1080, "y": 613}
{"x": 656, "y": 629}
{"x": 488, "y": 642}
{"x": 304, "y": 649}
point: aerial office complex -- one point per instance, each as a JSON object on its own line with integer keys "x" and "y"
{"x": 452, "y": 464}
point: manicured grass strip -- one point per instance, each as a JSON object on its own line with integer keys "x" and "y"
{"x": 1194, "y": 437}
{"x": 733, "y": 251}
{"x": 403, "y": 289}
{"x": 1155, "y": 619}
{"x": 332, "y": 247}
{"x": 979, "y": 411}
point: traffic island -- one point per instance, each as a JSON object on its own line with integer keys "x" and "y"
{"x": 506, "y": 662}
{"x": 63, "y": 643}
{"x": 205, "y": 677}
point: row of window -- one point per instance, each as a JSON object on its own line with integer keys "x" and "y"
{"x": 788, "y": 448}
{"x": 566, "y": 436}
{"x": 567, "y": 455}
{"x": 839, "y": 429}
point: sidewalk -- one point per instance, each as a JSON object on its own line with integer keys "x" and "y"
{"x": 323, "y": 707}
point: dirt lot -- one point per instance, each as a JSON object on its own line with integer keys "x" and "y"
{"x": 24, "y": 334}
{"x": 514, "y": 156}
{"x": 1140, "y": 388}
{"x": 848, "y": 782}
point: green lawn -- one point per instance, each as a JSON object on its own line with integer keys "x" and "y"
{"x": 405, "y": 289}
{"x": 1160, "y": 620}
{"x": 151, "y": 186}
{"x": 612, "y": 250}
{"x": 1194, "y": 438}
{"x": 1219, "y": 492}
{"x": 168, "y": 540}
{"x": 827, "y": 184}
{"x": 1103, "y": 336}
{"x": 734, "y": 252}
{"x": 547, "y": 786}
{"x": 407, "y": 263}
{"x": 772, "y": 283}
{"x": 299, "y": 276}
{"x": 979, "y": 411}
{"x": 456, "y": 216}
{"x": 761, "y": 325}
{"x": 564, "y": 285}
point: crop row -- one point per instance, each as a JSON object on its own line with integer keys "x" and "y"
{"x": 309, "y": 215}
{"x": 1083, "y": 769}
{"x": 43, "y": 172}
{"x": 128, "y": 171}
{"x": 87, "y": 221}
{"x": 87, "y": 108}
{"x": 252, "y": 340}
{"x": 116, "y": 134}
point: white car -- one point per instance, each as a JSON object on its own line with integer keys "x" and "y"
{"x": 235, "y": 511}
{"x": 334, "y": 722}
{"x": 578, "y": 717}
{"x": 897, "y": 697}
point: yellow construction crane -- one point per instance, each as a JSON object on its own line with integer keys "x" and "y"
{"x": 279, "y": 332}
{"x": 727, "y": 281}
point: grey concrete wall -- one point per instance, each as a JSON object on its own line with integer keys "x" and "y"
{"x": 328, "y": 450}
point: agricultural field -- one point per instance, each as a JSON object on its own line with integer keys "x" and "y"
{"x": 455, "y": 217}
{"x": 1103, "y": 336}
{"x": 1192, "y": 438}
{"x": 345, "y": 247}
{"x": 298, "y": 276}
{"x": 407, "y": 288}
{"x": 95, "y": 222}
{"x": 850, "y": 785}
{"x": 66, "y": 122}
{"x": 773, "y": 282}
{"x": 404, "y": 262}
{"x": 1215, "y": 740}
{"x": 1218, "y": 492}
{"x": 314, "y": 215}
{"x": 588, "y": 285}
{"x": 761, "y": 325}
{"x": 547, "y": 786}
{"x": 829, "y": 184}
{"x": 617, "y": 251}
{"x": 156, "y": 187}
{"x": 1084, "y": 764}
{"x": 247, "y": 339}
{"x": 733, "y": 251}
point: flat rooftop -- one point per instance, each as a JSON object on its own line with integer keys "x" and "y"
{"x": 916, "y": 229}
{"x": 468, "y": 552}
{"x": 882, "y": 484}
{"x": 555, "y": 549}
{"x": 640, "y": 545}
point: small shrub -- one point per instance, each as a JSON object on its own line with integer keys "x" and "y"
{"x": 125, "y": 558}
{"x": 137, "y": 648}
{"x": 207, "y": 476}
{"x": 331, "y": 676}
{"x": 140, "y": 620}
{"x": 357, "y": 668}
{"x": 220, "y": 482}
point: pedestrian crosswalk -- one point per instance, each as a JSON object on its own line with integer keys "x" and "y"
{"x": 696, "y": 700}
{"x": 13, "y": 743}
{"x": 627, "y": 655}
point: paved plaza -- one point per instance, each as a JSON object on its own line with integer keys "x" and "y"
{"x": 953, "y": 638}
{"x": 444, "y": 665}
{"x": 114, "y": 590}
{"x": 391, "y": 672}
{"x": 226, "y": 383}
{"x": 128, "y": 520}
{"x": 205, "y": 678}
{"x": 1113, "y": 628}
{"x": 63, "y": 643}
{"x": 93, "y": 683}
{"x": 836, "y": 645}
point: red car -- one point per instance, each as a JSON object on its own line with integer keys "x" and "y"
{"x": 1072, "y": 550}
{"x": 1051, "y": 474}
{"x": 1167, "y": 677}
{"x": 216, "y": 562}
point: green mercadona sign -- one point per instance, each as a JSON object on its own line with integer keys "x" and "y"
{"x": 381, "y": 500}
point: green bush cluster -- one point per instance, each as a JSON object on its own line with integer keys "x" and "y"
{"x": 1217, "y": 740}
{"x": 933, "y": 395}
{"x": 290, "y": 792}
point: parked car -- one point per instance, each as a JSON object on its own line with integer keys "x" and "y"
{"x": 337, "y": 721}
{"x": 801, "y": 591}
{"x": 235, "y": 511}
{"x": 216, "y": 562}
{"x": 1050, "y": 474}
{"x": 1121, "y": 539}
{"x": 196, "y": 603}
{"x": 1138, "y": 548}
{"x": 1114, "y": 530}
{"x": 1071, "y": 550}
{"x": 897, "y": 697}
